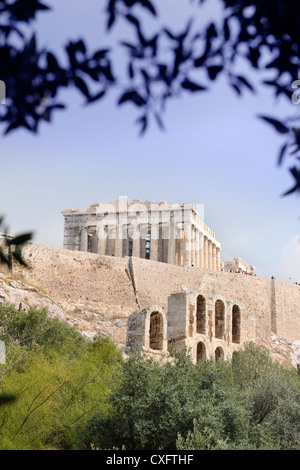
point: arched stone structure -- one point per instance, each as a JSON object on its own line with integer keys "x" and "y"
{"x": 156, "y": 331}
{"x": 219, "y": 319}
{"x": 219, "y": 354}
{"x": 201, "y": 351}
{"x": 201, "y": 315}
{"x": 236, "y": 324}
{"x": 147, "y": 330}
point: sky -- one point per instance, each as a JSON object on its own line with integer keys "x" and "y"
{"x": 215, "y": 151}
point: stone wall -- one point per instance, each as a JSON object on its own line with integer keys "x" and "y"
{"x": 99, "y": 290}
{"x": 271, "y": 302}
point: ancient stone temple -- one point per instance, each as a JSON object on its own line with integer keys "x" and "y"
{"x": 145, "y": 229}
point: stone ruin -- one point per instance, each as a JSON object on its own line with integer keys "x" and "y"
{"x": 209, "y": 326}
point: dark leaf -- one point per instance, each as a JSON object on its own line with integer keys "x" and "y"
{"x": 171, "y": 35}
{"x": 191, "y": 86}
{"x": 226, "y": 29}
{"x": 80, "y": 84}
{"x": 133, "y": 96}
{"x": 81, "y": 46}
{"x": 245, "y": 82}
{"x": 3, "y": 258}
{"x": 20, "y": 240}
{"x": 277, "y": 124}
{"x": 214, "y": 71}
{"x": 281, "y": 154}
{"x": 52, "y": 62}
{"x": 144, "y": 122}
{"x": 296, "y": 174}
{"x": 100, "y": 54}
{"x": 159, "y": 121}
{"x": 253, "y": 56}
{"x": 96, "y": 97}
{"x": 111, "y": 20}
{"x": 200, "y": 61}
{"x": 132, "y": 19}
{"x": 6, "y": 398}
{"x": 147, "y": 4}
{"x": 130, "y": 70}
{"x": 18, "y": 257}
{"x": 236, "y": 88}
{"x": 211, "y": 31}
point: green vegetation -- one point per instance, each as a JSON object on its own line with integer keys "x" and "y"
{"x": 248, "y": 403}
{"x": 56, "y": 377}
{"x": 61, "y": 391}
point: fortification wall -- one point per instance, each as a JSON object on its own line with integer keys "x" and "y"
{"x": 100, "y": 291}
{"x": 271, "y": 302}
{"x": 286, "y": 310}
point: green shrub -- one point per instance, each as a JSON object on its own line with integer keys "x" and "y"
{"x": 57, "y": 377}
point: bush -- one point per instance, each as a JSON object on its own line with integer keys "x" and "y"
{"x": 246, "y": 404}
{"x": 57, "y": 377}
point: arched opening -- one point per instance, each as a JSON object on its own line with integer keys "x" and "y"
{"x": 219, "y": 319}
{"x": 201, "y": 351}
{"x": 156, "y": 331}
{"x": 219, "y": 354}
{"x": 200, "y": 316}
{"x": 236, "y": 324}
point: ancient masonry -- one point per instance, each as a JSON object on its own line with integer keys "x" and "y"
{"x": 210, "y": 312}
{"x": 103, "y": 294}
{"x": 209, "y": 326}
{"x": 151, "y": 230}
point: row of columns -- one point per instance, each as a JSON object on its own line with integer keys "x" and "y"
{"x": 189, "y": 247}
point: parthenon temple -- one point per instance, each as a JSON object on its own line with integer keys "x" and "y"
{"x": 169, "y": 233}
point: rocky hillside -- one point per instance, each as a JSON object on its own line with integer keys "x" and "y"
{"x": 97, "y": 294}
{"x": 92, "y": 293}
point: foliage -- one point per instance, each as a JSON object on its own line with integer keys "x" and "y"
{"x": 57, "y": 379}
{"x": 250, "y": 364}
{"x": 11, "y": 248}
{"x": 61, "y": 391}
{"x": 246, "y": 404}
{"x": 160, "y": 65}
{"x": 148, "y": 406}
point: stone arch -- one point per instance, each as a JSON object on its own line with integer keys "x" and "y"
{"x": 219, "y": 319}
{"x": 219, "y": 354}
{"x": 201, "y": 351}
{"x": 201, "y": 315}
{"x": 156, "y": 331}
{"x": 236, "y": 324}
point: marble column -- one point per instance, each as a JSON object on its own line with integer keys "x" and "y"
{"x": 187, "y": 244}
{"x": 205, "y": 253}
{"x": 209, "y": 254}
{"x": 136, "y": 242}
{"x": 171, "y": 245}
{"x": 101, "y": 237}
{"x": 193, "y": 262}
{"x": 119, "y": 242}
{"x": 197, "y": 250}
{"x": 218, "y": 259}
{"x": 201, "y": 251}
{"x": 214, "y": 257}
{"x": 84, "y": 239}
{"x": 125, "y": 241}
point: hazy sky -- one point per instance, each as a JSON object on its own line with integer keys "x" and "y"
{"x": 214, "y": 151}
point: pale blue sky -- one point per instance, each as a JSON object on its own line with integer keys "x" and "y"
{"x": 214, "y": 151}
